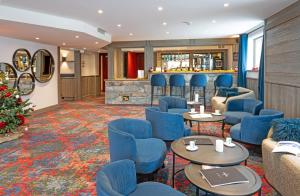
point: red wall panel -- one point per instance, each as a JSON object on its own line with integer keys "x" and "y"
{"x": 135, "y": 62}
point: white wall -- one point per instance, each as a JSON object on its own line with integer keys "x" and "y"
{"x": 44, "y": 94}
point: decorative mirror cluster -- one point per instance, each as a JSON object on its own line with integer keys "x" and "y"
{"x": 21, "y": 60}
{"x": 10, "y": 74}
{"x": 42, "y": 67}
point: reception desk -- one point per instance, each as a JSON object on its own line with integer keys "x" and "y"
{"x": 134, "y": 91}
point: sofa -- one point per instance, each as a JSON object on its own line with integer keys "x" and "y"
{"x": 282, "y": 171}
{"x": 220, "y": 103}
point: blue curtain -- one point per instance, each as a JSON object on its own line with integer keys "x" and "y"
{"x": 242, "y": 64}
{"x": 261, "y": 77}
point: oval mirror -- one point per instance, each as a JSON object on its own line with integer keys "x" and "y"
{"x": 26, "y": 83}
{"x": 9, "y": 73}
{"x": 42, "y": 65}
{"x": 21, "y": 60}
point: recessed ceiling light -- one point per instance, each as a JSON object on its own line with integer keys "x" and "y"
{"x": 77, "y": 36}
{"x": 167, "y": 32}
{"x": 119, "y": 25}
{"x": 96, "y": 42}
{"x": 63, "y": 43}
{"x": 226, "y": 4}
{"x": 84, "y": 48}
{"x": 214, "y": 21}
{"x": 131, "y": 34}
{"x": 160, "y": 8}
{"x": 100, "y": 11}
{"x": 37, "y": 38}
{"x": 164, "y": 24}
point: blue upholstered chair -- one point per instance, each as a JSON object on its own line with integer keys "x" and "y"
{"x": 158, "y": 81}
{"x": 237, "y": 109}
{"x": 177, "y": 81}
{"x": 254, "y": 129}
{"x": 132, "y": 139}
{"x": 198, "y": 81}
{"x": 166, "y": 126}
{"x": 119, "y": 179}
{"x": 223, "y": 80}
{"x": 173, "y": 105}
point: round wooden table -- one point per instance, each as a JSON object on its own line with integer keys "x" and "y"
{"x": 194, "y": 176}
{"x": 207, "y": 155}
{"x": 187, "y": 116}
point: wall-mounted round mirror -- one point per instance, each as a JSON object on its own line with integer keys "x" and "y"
{"x": 21, "y": 60}
{"x": 42, "y": 65}
{"x": 26, "y": 83}
{"x": 9, "y": 73}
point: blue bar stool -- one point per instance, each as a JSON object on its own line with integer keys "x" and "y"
{"x": 223, "y": 80}
{"x": 158, "y": 81}
{"x": 198, "y": 82}
{"x": 177, "y": 81}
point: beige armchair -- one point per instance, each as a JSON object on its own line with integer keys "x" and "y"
{"x": 218, "y": 102}
{"x": 281, "y": 170}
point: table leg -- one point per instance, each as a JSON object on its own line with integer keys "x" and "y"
{"x": 223, "y": 128}
{"x": 173, "y": 171}
{"x": 198, "y": 128}
{"x": 197, "y": 191}
{"x": 259, "y": 192}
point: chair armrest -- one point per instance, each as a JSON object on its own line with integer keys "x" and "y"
{"x": 254, "y": 129}
{"x": 103, "y": 185}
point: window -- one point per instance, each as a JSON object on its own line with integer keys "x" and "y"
{"x": 255, "y": 40}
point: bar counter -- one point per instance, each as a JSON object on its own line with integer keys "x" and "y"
{"x": 136, "y": 91}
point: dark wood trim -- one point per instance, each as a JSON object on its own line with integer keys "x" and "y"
{"x": 58, "y": 76}
{"x": 47, "y": 109}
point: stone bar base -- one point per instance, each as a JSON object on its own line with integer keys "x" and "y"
{"x": 139, "y": 91}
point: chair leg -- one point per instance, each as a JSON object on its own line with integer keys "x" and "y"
{"x": 191, "y": 93}
{"x": 171, "y": 88}
{"x": 223, "y": 125}
{"x": 152, "y": 88}
{"x": 204, "y": 96}
{"x": 183, "y": 96}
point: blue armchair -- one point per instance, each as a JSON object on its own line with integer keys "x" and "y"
{"x": 132, "y": 139}
{"x": 173, "y": 105}
{"x": 254, "y": 129}
{"x": 237, "y": 109}
{"x": 166, "y": 126}
{"x": 119, "y": 179}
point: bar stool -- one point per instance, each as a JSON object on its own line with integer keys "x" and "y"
{"x": 198, "y": 82}
{"x": 223, "y": 80}
{"x": 158, "y": 81}
{"x": 177, "y": 81}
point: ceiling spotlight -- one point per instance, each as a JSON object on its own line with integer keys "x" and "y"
{"x": 119, "y": 25}
{"x": 167, "y": 32}
{"x": 130, "y": 34}
{"x": 84, "y": 48}
{"x": 160, "y": 8}
{"x": 226, "y": 4}
{"x": 37, "y": 38}
{"x": 96, "y": 42}
{"x": 63, "y": 43}
{"x": 164, "y": 24}
{"x": 77, "y": 36}
{"x": 214, "y": 21}
{"x": 100, "y": 11}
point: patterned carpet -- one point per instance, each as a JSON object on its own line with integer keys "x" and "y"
{"x": 62, "y": 151}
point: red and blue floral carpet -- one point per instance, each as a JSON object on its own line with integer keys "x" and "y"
{"x": 63, "y": 150}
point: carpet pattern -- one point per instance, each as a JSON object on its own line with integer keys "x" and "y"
{"x": 63, "y": 150}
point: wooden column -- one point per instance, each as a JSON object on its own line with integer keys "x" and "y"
{"x": 111, "y": 63}
{"x": 148, "y": 56}
{"x": 77, "y": 66}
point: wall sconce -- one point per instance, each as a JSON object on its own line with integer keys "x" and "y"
{"x": 64, "y": 59}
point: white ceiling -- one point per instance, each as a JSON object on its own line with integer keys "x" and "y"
{"x": 142, "y": 18}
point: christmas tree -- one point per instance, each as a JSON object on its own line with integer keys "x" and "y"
{"x": 13, "y": 110}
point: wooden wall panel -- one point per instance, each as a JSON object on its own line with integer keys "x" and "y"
{"x": 68, "y": 90}
{"x": 90, "y": 86}
{"x": 253, "y": 85}
{"x": 282, "y": 64}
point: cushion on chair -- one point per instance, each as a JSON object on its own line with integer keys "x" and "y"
{"x": 227, "y": 92}
{"x": 235, "y": 117}
{"x": 187, "y": 131}
{"x": 155, "y": 189}
{"x": 150, "y": 154}
{"x": 177, "y": 110}
{"x": 235, "y": 131}
{"x": 163, "y": 105}
{"x": 286, "y": 129}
